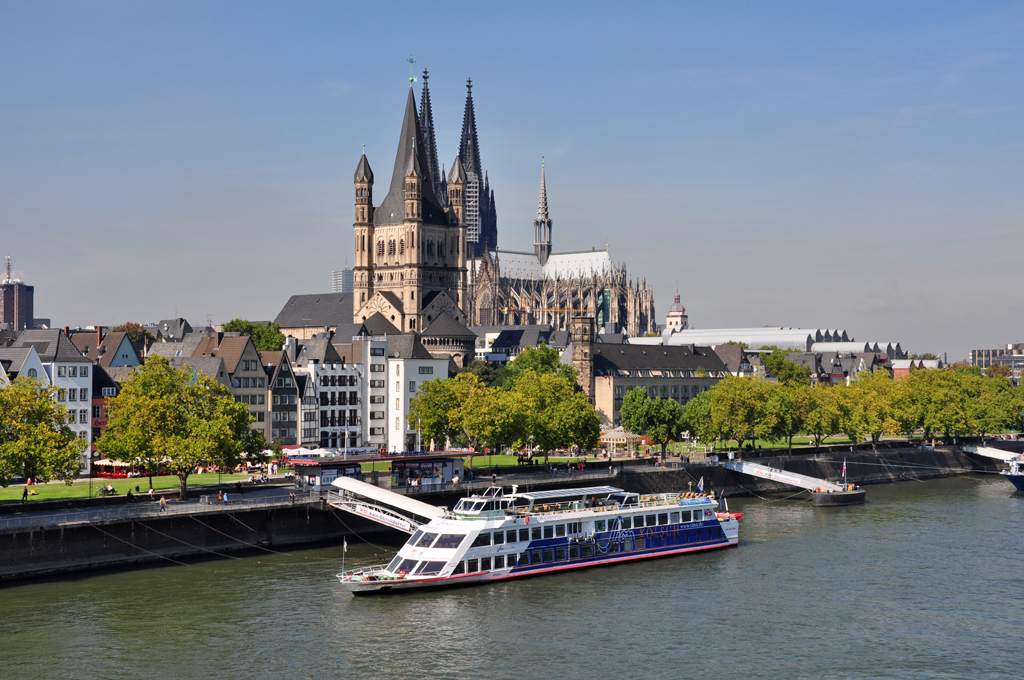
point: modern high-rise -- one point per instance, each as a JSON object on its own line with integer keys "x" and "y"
{"x": 17, "y": 302}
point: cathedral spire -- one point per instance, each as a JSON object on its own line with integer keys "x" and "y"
{"x": 542, "y": 225}
{"x": 429, "y": 142}
{"x": 469, "y": 154}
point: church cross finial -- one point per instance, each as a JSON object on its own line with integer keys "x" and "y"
{"x": 364, "y": 149}
{"x": 426, "y": 74}
{"x": 469, "y": 84}
{"x": 412, "y": 78}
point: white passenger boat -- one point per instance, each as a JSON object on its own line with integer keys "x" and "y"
{"x": 495, "y": 536}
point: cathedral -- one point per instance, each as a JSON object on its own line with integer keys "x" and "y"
{"x": 431, "y": 247}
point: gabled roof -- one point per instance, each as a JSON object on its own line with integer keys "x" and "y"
{"x": 13, "y": 359}
{"x": 611, "y": 358}
{"x": 121, "y": 373}
{"x": 319, "y": 349}
{"x": 211, "y": 366}
{"x": 407, "y": 346}
{"x": 230, "y": 349}
{"x": 445, "y": 325}
{"x": 102, "y": 379}
{"x": 173, "y": 329}
{"x": 410, "y": 157}
{"x": 186, "y": 348}
{"x": 323, "y": 310}
{"x": 378, "y": 325}
{"x": 104, "y": 353}
{"x": 51, "y": 345}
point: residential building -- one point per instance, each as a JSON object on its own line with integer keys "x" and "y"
{"x": 104, "y": 387}
{"x": 341, "y": 280}
{"x": 371, "y": 362}
{"x": 71, "y": 373}
{"x": 736, "y": 360}
{"x": 609, "y": 372}
{"x": 109, "y": 350}
{"x": 248, "y": 379}
{"x": 16, "y": 362}
{"x": 510, "y": 341}
{"x": 331, "y": 413}
{"x": 170, "y": 330}
{"x": 283, "y": 393}
{"x": 409, "y": 365}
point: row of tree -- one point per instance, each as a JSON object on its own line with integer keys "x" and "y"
{"x": 955, "y": 401}
{"x": 164, "y": 419}
{"x": 535, "y": 402}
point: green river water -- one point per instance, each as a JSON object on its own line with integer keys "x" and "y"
{"x": 925, "y": 581}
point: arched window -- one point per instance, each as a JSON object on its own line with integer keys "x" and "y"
{"x": 401, "y": 247}
{"x": 32, "y": 373}
{"x": 391, "y": 247}
{"x": 380, "y": 248}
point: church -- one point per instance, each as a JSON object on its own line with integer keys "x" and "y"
{"x": 429, "y": 248}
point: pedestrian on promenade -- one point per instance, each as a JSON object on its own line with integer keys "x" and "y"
{"x": 220, "y": 496}
{"x": 225, "y": 499}
{"x": 24, "y": 495}
{"x": 150, "y": 493}
{"x": 163, "y": 503}
{"x": 494, "y": 479}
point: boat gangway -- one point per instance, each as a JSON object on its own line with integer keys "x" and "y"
{"x": 989, "y": 452}
{"x": 823, "y": 492}
{"x": 380, "y": 505}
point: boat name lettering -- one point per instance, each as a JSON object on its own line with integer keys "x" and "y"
{"x": 381, "y": 517}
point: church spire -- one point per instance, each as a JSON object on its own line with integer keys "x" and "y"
{"x": 429, "y": 142}
{"x": 469, "y": 154}
{"x": 542, "y": 225}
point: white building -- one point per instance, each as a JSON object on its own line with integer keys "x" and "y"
{"x": 70, "y": 372}
{"x": 409, "y": 366}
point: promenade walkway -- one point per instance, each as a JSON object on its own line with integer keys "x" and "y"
{"x": 146, "y": 509}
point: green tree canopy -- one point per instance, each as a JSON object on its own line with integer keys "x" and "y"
{"x": 35, "y": 440}
{"x": 660, "y": 420}
{"x": 438, "y": 405}
{"x": 483, "y": 370}
{"x": 177, "y": 419}
{"x": 266, "y": 337}
{"x": 778, "y": 366}
{"x": 540, "y": 360}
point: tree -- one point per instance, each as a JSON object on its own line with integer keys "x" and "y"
{"x": 783, "y": 417}
{"x": 135, "y": 331}
{"x": 697, "y": 418}
{"x": 483, "y": 370}
{"x": 997, "y": 371}
{"x": 927, "y": 356}
{"x": 735, "y": 408}
{"x": 437, "y": 406}
{"x": 540, "y": 360}
{"x": 820, "y": 406}
{"x": 265, "y": 337}
{"x": 885, "y": 404}
{"x": 173, "y": 418}
{"x": 554, "y": 415}
{"x": 785, "y": 371}
{"x": 491, "y": 417}
{"x": 35, "y": 440}
{"x": 659, "y": 419}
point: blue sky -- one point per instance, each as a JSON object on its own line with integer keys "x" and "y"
{"x": 817, "y": 164}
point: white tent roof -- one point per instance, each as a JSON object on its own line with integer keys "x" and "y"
{"x": 386, "y": 497}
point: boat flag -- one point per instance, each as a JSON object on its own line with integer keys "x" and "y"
{"x": 844, "y": 468}
{"x": 700, "y": 485}
{"x": 344, "y": 545}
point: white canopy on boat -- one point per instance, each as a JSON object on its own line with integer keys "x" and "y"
{"x": 386, "y": 497}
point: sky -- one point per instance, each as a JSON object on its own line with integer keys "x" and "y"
{"x": 822, "y": 165}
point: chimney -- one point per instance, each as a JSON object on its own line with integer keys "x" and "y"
{"x": 291, "y": 348}
{"x": 67, "y": 331}
{"x": 99, "y": 335}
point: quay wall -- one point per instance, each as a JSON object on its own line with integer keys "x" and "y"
{"x": 79, "y": 547}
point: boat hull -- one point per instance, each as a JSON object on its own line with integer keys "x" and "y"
{"x": 1016, "y": 480}
{"x": 837, "y": 498}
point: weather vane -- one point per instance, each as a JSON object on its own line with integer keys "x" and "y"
{"x": 412, "y": 78}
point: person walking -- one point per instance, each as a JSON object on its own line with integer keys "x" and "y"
{"x": 150, "y": 493}
{"x": 163, "y": 503}
{"x": 24, "y": 495}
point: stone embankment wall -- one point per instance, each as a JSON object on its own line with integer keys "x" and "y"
{"x": 41, "y": 552}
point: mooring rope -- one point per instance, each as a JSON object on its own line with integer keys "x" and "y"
{"x": 150, "y": 552}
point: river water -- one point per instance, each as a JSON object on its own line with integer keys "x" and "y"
{"x": 925, "y": 581}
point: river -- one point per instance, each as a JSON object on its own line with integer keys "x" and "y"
{"x": 925, "y": 581}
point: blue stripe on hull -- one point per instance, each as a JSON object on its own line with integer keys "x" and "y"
{"x": 614, "y": 558}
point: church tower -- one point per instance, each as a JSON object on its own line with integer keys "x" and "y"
{"x": 410, "y": 250}
{"x": 581, "y": 332}
{"x": 542, "y": 225}
{"x": 430, "y": 143}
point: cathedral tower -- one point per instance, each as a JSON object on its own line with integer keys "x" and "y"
{"x": 481, "y": 218}
{"x": 542, "y": 225}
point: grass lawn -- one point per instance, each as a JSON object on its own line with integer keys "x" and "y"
{"x": 80, "y": 489}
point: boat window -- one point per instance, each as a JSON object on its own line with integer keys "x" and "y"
{"x": 536, "y": 534}
{"x": 626, "y": 523}
{"x": 549, "y": 531}
{"x": 425, "y": 540}
{"x": 599, "y": 525}
{"x": 587, "y": 551}
{"x": 638, "y": 521}
{"x": 510, "y": 536}
{"x": 574, "y": 551}
{"x": 524, "y": 559}
{"x": 536, "y": 556}
{"x": 460, "y": 568}
{"x": 482, "y": 540}
{"x": 449, "y": 541}
{"x": 549, "y": 554}
{"x": 471, "y": 566}
{"x": 478, "y": 506}
{"x": 394, "y": 564}
{"x": 686, "y": 516}
{"x": 499, "y": 562}
{"x": 674, "y": 519}
{"x": 662, "y": 518}
{"x": 613, "y": 547}
{"x": 651, "y": 521}
{"x": 406, "y": 566}
{"x": 463, "y": 505}
{"x": 499, "y": 537}
{"x": 524, "y": 535}
{"x": 575, "y": 527}
{"x": 560, "y": 530}
{"x": 560, "y": 553}
{"x": 415, "y": 537}
{"x": 485, "y": 564}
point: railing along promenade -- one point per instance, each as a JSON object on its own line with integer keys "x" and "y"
{"x": 149, "y": 510}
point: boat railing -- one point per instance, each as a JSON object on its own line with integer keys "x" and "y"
{"x": 348, "y": 574}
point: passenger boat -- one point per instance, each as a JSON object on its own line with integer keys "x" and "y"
{"x": 494, "y": 536}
